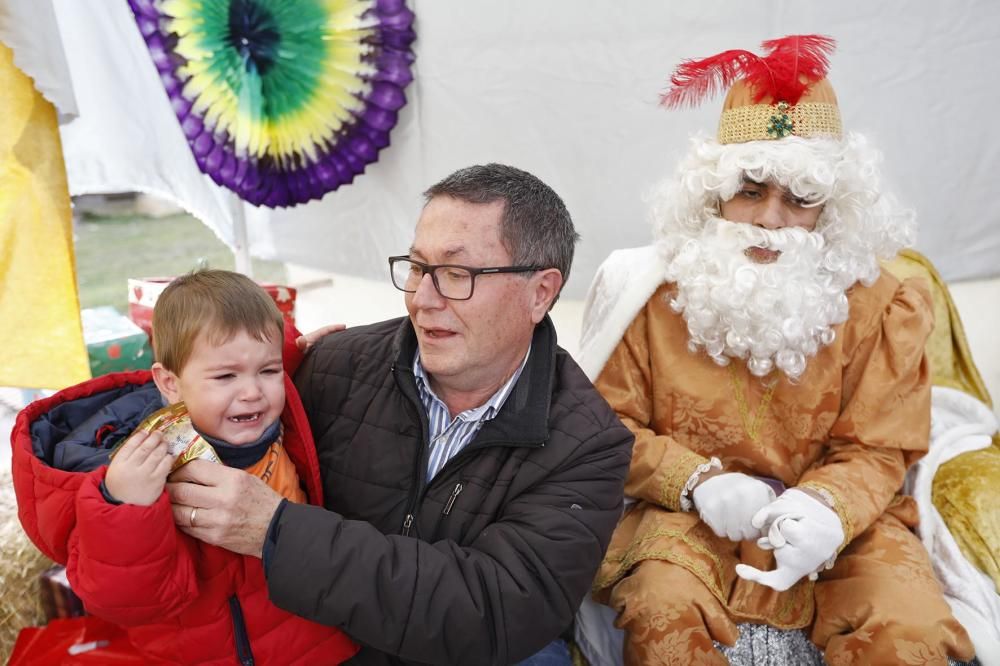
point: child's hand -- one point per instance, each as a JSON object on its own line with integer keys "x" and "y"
{"x": 139, "y": 470}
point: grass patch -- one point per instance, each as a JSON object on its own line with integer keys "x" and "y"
{"x": 109, "y": 250}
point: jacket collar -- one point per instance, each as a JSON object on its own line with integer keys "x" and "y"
{"x": 524, "y": 418}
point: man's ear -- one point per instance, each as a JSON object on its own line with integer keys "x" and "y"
{"x": 167, "y": 382}
{"x": 546, "y": 285}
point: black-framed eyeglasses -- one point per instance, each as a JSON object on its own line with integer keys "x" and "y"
{"x": 452, "y": 281}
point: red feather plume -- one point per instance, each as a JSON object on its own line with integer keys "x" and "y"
{"x": 777, "y": 74}
{"x": 694, "y": 80}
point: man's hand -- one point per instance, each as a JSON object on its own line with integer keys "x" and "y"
{"x": 139, "y": 470}
{"x": 304, "y": 342}
{"x": 231, "y": 508}
{"x": 804, "y": 534}
{"x": 727, "y": 502}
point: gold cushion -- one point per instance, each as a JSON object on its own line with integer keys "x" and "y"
{"x": 966, "y": 489}
{"x": 966, "y": 492}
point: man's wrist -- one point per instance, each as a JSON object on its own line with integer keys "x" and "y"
{"x": 271, "y": 537}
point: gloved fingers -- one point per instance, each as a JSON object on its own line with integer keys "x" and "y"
{"x": 734, "y": 528}
{"x": 782, "y": 527}
{"x": 734, "y": 533}
{"x": 764, "y": 543}
{"x": 718, "y": 527}
{"x": 792, "y": 527}
{"x": 779, "y": 579}
{"x": 741, "y": 530}
{"x": 774, "y": 534}
{"x": 767, "y": 514}
{"x": 728, "y": 502}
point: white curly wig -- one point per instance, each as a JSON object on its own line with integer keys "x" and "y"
{"x": 771, "y": 315}
{"x": 862, "y": 222}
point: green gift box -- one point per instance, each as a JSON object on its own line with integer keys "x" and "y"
{"x": 114, "y": 342}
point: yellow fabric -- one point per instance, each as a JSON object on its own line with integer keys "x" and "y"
{"x": 852, "y": 424}
{"x": 751, "y": 123}
{"x": 966, "y": 490}
{"x": 41, "y": 338}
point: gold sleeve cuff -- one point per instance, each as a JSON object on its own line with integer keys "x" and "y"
{"x": 684, "y": 465}
{"x": 833, "y": 500}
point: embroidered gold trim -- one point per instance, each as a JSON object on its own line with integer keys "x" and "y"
{"x": 832, "y": 498}
{"x": 751, "y": 425}
{"x": 634, "y": 554}
{"x": 686, "y": 503}
{"x": 673, "y": 482}
{"x": 751, "y": 122}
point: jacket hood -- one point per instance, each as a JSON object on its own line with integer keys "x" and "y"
{"x": 78, "y": 435}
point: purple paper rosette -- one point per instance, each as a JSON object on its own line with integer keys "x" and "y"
{"x": 282, "y": 101}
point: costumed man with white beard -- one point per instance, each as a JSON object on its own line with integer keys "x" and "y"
{"x": 775, "y": 379}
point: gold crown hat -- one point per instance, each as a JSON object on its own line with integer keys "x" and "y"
{"x": 782, "y": 93}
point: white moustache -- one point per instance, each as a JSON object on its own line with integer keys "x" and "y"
{"x": 739, "y": 235}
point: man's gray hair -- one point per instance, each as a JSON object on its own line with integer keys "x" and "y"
{"x": 536, "y": 228}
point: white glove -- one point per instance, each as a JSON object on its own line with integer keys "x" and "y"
{"x": 727, "y": 502}
{"x": 804, "y": 534}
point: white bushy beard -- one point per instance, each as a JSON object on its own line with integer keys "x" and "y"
{"x": 772, "y": 315}
{"x": 776, "y": 314}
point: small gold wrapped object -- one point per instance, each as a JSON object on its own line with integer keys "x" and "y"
{"x": 183, "y": 441}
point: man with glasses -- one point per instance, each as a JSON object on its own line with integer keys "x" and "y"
{"x": 472, "y": 474}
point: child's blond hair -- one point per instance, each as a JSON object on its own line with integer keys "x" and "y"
{"x": 218, "y": 303}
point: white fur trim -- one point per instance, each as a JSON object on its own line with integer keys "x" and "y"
{"x": 623, "y": 284}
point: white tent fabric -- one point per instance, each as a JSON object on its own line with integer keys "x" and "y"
{"x": 569, "y": 92}
{"x": 38, "y": 52}
{"x": 126, "y": 137}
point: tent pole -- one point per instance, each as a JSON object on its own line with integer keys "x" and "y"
{"x": 241, "y": 247}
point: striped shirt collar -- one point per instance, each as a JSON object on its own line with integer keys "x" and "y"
{"x": 448, "y": 436}
{"x": 483, "y": 412}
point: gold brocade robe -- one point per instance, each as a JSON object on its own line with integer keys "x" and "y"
{"x": 850, "y": 426}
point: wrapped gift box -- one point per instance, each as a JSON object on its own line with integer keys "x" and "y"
{"x": 113, "y": 342}
{"x": 143, "y": 292}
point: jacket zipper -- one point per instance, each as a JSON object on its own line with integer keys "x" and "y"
{"x": 451, "y": 500}
{"x": 411, "y": 507}
{"x": 420, "y": 472}
{"x": 243, "y": 652}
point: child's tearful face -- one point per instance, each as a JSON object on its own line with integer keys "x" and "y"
{"x": 233, "y": 390}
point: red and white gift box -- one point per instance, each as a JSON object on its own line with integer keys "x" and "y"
{"x": 143, "y": 292}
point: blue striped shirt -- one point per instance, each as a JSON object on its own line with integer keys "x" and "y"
{"x": 448, "y": 436}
